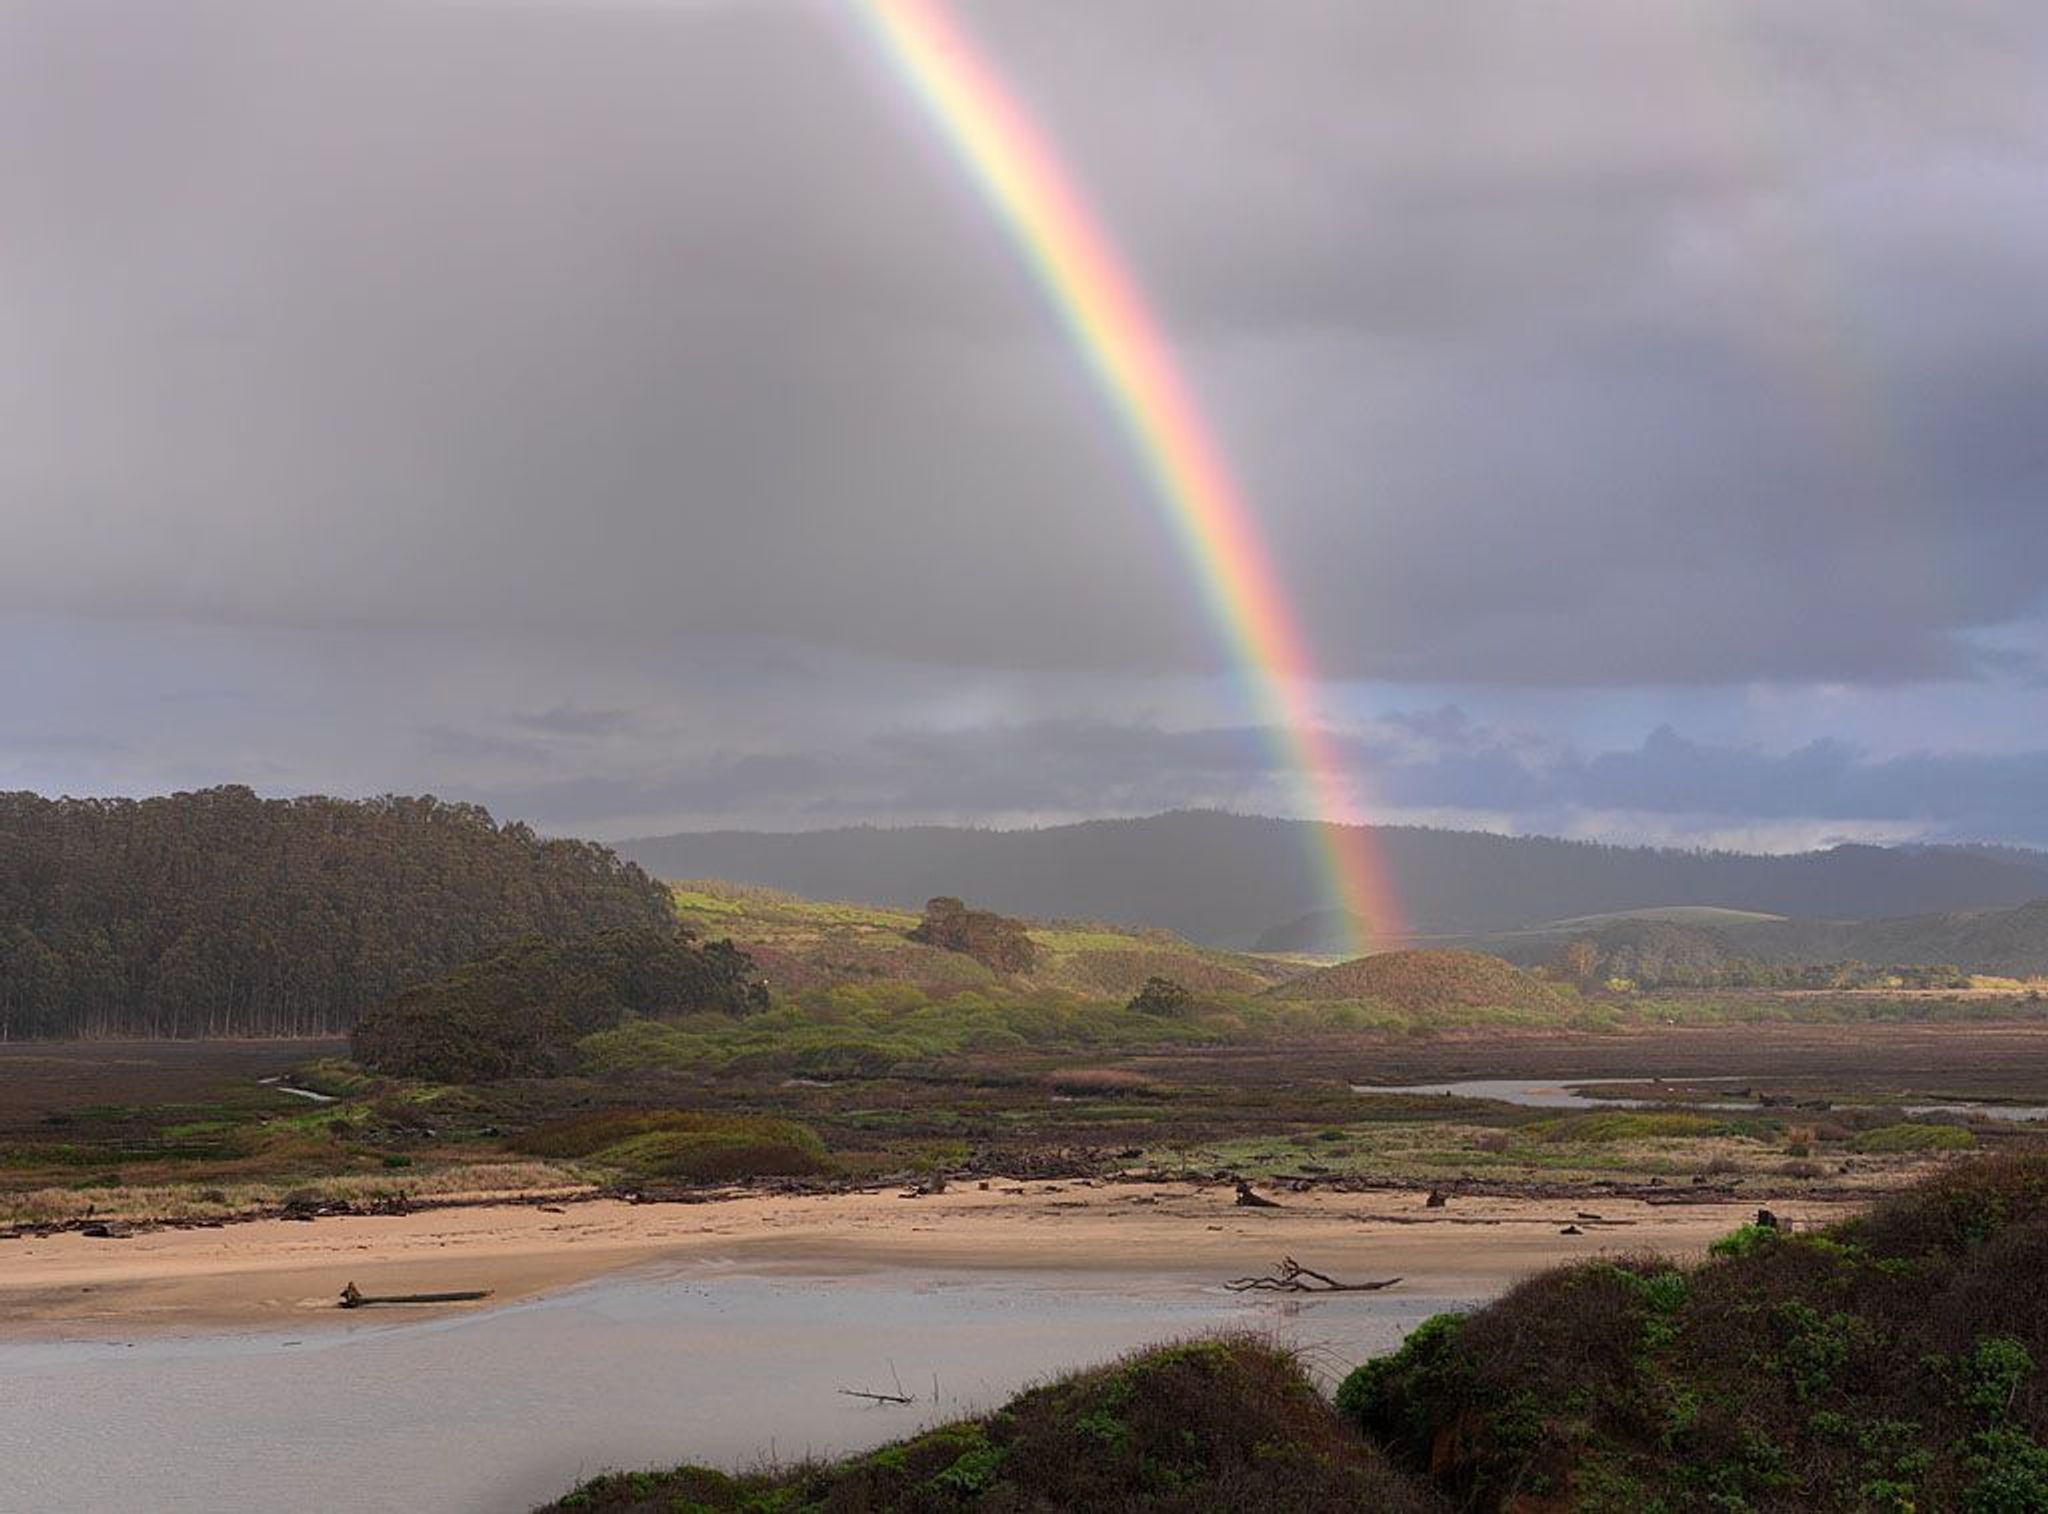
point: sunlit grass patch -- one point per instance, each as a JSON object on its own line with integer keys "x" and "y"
{"x": 1910, "y": 1137}
{"x": 1604, "y": 1127}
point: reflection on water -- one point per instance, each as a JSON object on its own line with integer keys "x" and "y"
{"x": 504, "y": 1409}
{"x": 1554, "y": 1094}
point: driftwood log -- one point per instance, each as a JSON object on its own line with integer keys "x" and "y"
{"x": 1291, "y": 1277}
{"x": 353, "y": 1297}
{"x": 1246, "y": 1199}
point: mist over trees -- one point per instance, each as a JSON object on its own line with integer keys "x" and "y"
{"x": 218, "y": 913}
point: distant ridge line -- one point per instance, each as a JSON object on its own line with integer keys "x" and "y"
{"x": 1239, "y": 880}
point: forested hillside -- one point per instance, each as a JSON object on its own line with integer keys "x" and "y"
{"x": 219, "y": 913}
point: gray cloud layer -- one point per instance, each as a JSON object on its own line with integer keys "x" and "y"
{"x": 626, "y": 412}
{"x": 1595, "y": 343}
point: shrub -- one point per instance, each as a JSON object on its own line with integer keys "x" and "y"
{"x": 1161, "y": 996}
{"x": 998, "y": 943}
{"x": 1744, "y": 1240}
{"x": 1398, "y": 1398}
{"x": 1887, "y": 1363}
{"x": 2010, "y": 1471}
{"x": 1992, "y": 1374}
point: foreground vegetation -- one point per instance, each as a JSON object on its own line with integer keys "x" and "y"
{"x": 1894, "y": 1362}
{"x": 1219, "y": 1424}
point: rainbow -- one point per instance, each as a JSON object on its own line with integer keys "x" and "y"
{"x": 1082, "y": 277}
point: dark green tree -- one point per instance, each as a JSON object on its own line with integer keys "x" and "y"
{"x": 1162, "y": 996}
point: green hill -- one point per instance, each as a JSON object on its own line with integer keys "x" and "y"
{"x": 1429, "y": 982}
{"x": 802, "y": 943}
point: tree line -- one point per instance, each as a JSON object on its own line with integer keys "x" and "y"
{"x": 219, "y": 913}
{"x": 519, "y": 1013}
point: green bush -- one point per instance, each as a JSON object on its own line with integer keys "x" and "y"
{"x": 1993, "y": 1372}
{"x": 1888, "y": 1363}
{"x": 2010, "y": 1471}
{"x": 1744, "y": 1240}
{"x": 1395, "y": 1398}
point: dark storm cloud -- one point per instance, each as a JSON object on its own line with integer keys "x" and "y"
{"x": 1573, "y": 344}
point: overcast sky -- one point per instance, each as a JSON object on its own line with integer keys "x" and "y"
{"x": 622, "y": 413}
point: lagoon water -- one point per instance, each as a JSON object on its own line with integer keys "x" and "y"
{"x": 504, "y": 1409}
{"x": 1563, "y": 1093}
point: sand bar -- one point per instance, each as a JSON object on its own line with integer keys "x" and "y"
{"x": 280, "y": 1272}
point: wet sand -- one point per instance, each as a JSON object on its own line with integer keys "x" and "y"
{"x": 289, "y": 1273}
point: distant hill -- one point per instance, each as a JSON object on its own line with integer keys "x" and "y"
{"x": 801, "y": 943}
{"x": 1650, "y": 943}
{"x": 1253, "y": 881}
{"x": 1427, "y": 982}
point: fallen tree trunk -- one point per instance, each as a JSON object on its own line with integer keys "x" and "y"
{"x": 1291, "y": 1277}
{"x": 353, "y": 1297}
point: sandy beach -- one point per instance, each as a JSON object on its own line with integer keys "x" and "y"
{"x": 279, "y": 1272}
